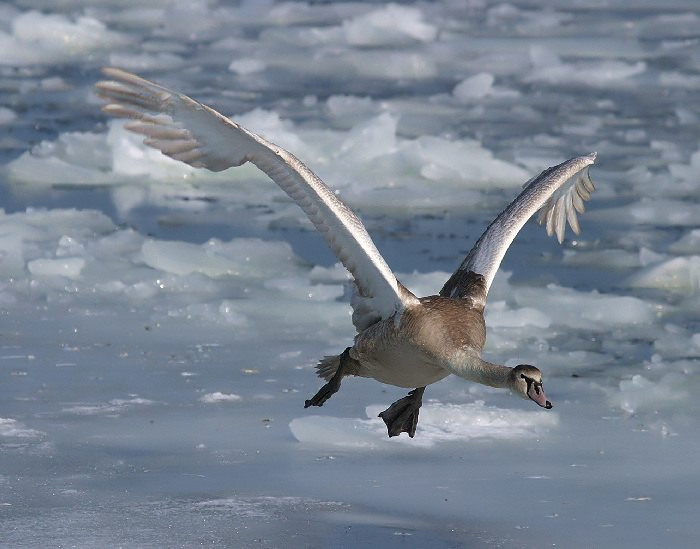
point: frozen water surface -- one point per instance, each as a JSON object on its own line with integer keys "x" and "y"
{"x": 160, "y": 324}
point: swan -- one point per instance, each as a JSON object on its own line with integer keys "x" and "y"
{"x": 401, "y": 339}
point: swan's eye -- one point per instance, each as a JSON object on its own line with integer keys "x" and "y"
{"x": 530, "y": 382}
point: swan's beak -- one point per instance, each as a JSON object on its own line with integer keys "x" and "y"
{"x": 536, "y": 393}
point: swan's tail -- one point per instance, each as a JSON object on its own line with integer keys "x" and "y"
{"x": 327, "y": 366}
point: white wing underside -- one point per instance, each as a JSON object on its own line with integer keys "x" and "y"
{"x": 192, "y": 132}
{"x": 558, "y": 192}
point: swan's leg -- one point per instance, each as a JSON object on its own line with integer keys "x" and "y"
{"x": 402, "y": 415}
{"x": 330, "y": 388}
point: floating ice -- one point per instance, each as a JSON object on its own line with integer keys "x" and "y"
{"x": 6, "y": 115}
{"x": 37, "y": 37}
{"x": 548, "y": 67}
{"x": 11, "y": 428}
{"x": 266, "y": 507}
{"x": 246, "y": 66}
{"x": 611, "y": 258}
{"x": 678, "y": 274}
{"x": 218, "y": 397}
{"x": 114, "y": 407}
{"x": 69, "y": 267}
{"x": 474, "y": 87}
{"x": 348, "y": 108}
{"x": 679, "y": 79}
{"x": 392, "y": 25}
{"x": 689, "y": 243}
{"x": 498, "y": 315}
{"x": 439, "y": 423}
{"x": 443, "y": 160}
{"x": 183, "y": 258}
{"x": 687, "y": 172}
{"x": 366, "y": 141}
{"x": 146, "y": 61}
{"x": 363, "y": 167}
{"x": 640, "y": 393}
{"x": 587, "y": 310}
{"x": 677, "y": 342}
{"x": 661, "y": 212}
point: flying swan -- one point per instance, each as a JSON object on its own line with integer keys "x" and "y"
{"x": 402, "y": 340}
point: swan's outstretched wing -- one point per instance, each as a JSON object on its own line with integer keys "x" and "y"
{"x": 187, "y": 130}
{"x": 558, "y": 193}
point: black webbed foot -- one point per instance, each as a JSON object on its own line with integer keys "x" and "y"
{"x": 402, "y": 415}
{"x": 324, "y": 393}
{"x": 330, "y": 388}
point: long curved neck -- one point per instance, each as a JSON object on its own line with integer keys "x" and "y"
{"x": 474, "y": 368}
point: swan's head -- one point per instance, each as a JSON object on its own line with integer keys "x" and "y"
{"x": 526, "y": 381}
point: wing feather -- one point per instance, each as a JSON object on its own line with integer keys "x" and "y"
{"x": 194, "y": 133}
{"x": 558, "y": 192}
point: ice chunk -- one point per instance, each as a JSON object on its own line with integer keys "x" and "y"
{"x": 392, "y": 65}
{"x": 676, "y": 341}
{"x": 266, "y": 509}
{"x": 69, "y": 267}
{"x": 15, "y": 429}
{"x": 361, "y": 163}
{"x": 424, "y": 283}
{"x": 215, "y": 258}
{"x": 467, "y": 161}
{"x": 146, "y": 61}
{"x": 368, "y": 140}
{"x": 114, "y": 407}
{"x": 548, "y": 67}
{"x": 337, "y": 274}
{"x": 48, "y": 243}
{"x": 54, "y": 83}
{"x": 680, "y": 274}
{"x": 662, "y": 212}
{"x": 228, "y": 311}
{"x": 6, "y": 115}
{"x": 74, "y": 158}
{"x": 246, "y": 66}
{"x": 474, "y": 87}
{"x": 687, "y": 172}
{"x": 612, "y": 258}
{"x": 348, "y": 107}
{"x": 219, "y": 397}
{"x": 298, "y": 288}
{"x": 36, "y": 37}
{"x": 680, "y": 80}
{"x": 639, "y": 393}
{"x": 270, "y": 125}
{"x": 689, "y": 243}
{"x": 438, "y": 423}
{"x": 498, "y": 315}
{"x": 586, "y": 310}
{"x": 185, "y": 258}
{"x": 391, "y": 25}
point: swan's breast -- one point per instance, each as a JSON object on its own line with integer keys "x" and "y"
{"x": 415, "y": 352}
{"x": 443, "y": 326}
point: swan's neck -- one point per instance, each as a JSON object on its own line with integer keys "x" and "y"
{"x": 474, "y": 368}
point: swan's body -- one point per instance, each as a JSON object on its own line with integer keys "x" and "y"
{"x": 402, "y": 340}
